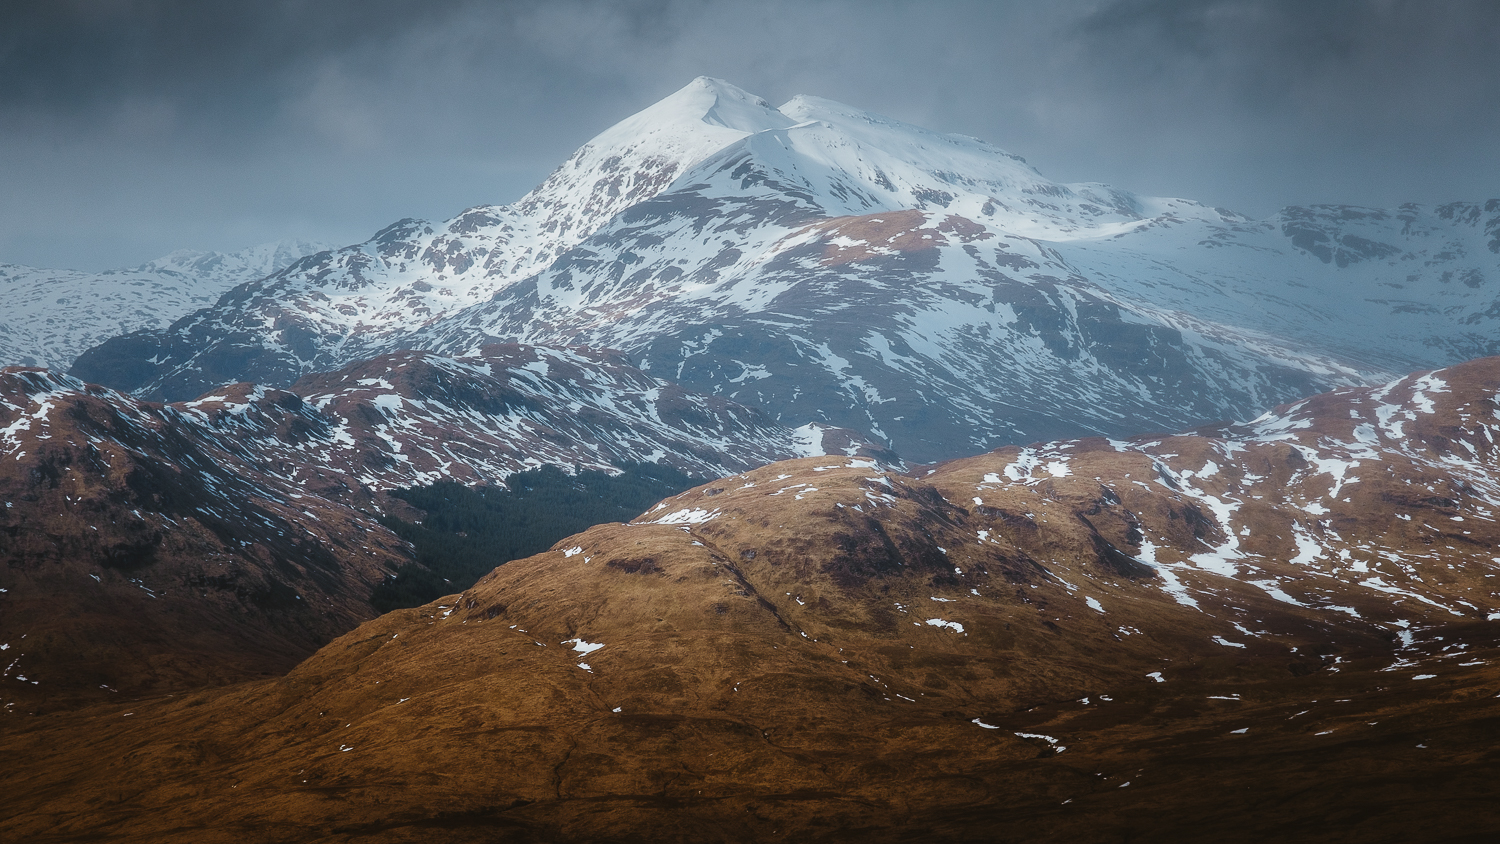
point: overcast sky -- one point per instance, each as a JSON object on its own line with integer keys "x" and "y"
{"x": 130, "y": 128}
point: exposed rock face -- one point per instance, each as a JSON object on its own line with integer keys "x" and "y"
{"x": 833, "y": 266}
{"x": 1286, "y": 629}
{"x": 925, "y": 328}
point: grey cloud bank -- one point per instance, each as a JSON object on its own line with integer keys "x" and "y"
{"x": 129, "y": 129}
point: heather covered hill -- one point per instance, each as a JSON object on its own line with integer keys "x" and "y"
{"x": 1284, "y": 630}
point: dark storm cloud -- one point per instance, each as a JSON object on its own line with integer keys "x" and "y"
{"x": 1373, "y": 102}
{"x": 129, "y": 128}
{"x": 1392, "y": 63}
{"x": 217, "y": 67}
{"x": 74, "y": 53}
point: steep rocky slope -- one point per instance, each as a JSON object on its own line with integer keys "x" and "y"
{"x": 1286, "y": 630}
{"x": 830, "y": 265}
{"x": 53, "y": 315}
{"x": 414, "y": 271}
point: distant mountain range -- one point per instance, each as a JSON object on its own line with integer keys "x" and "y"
{"x": 53, "y": 315}
{"x": 829, "y": 265}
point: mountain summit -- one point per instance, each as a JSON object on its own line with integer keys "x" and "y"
{"x": 837, "y": 267}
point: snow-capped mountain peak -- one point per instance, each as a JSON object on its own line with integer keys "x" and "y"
{"x": 835, "y": 266}
{"x": 427, "y": 270}
{"x": 899, "y": 166}
{"x": 706, "y": 100}
{"x": 894, "y": 135}
{"x": 642, "y": 155}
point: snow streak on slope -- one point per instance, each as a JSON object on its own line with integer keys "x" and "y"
{"x": 1379, "y": 504}
{"x": 140, "y": 548}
